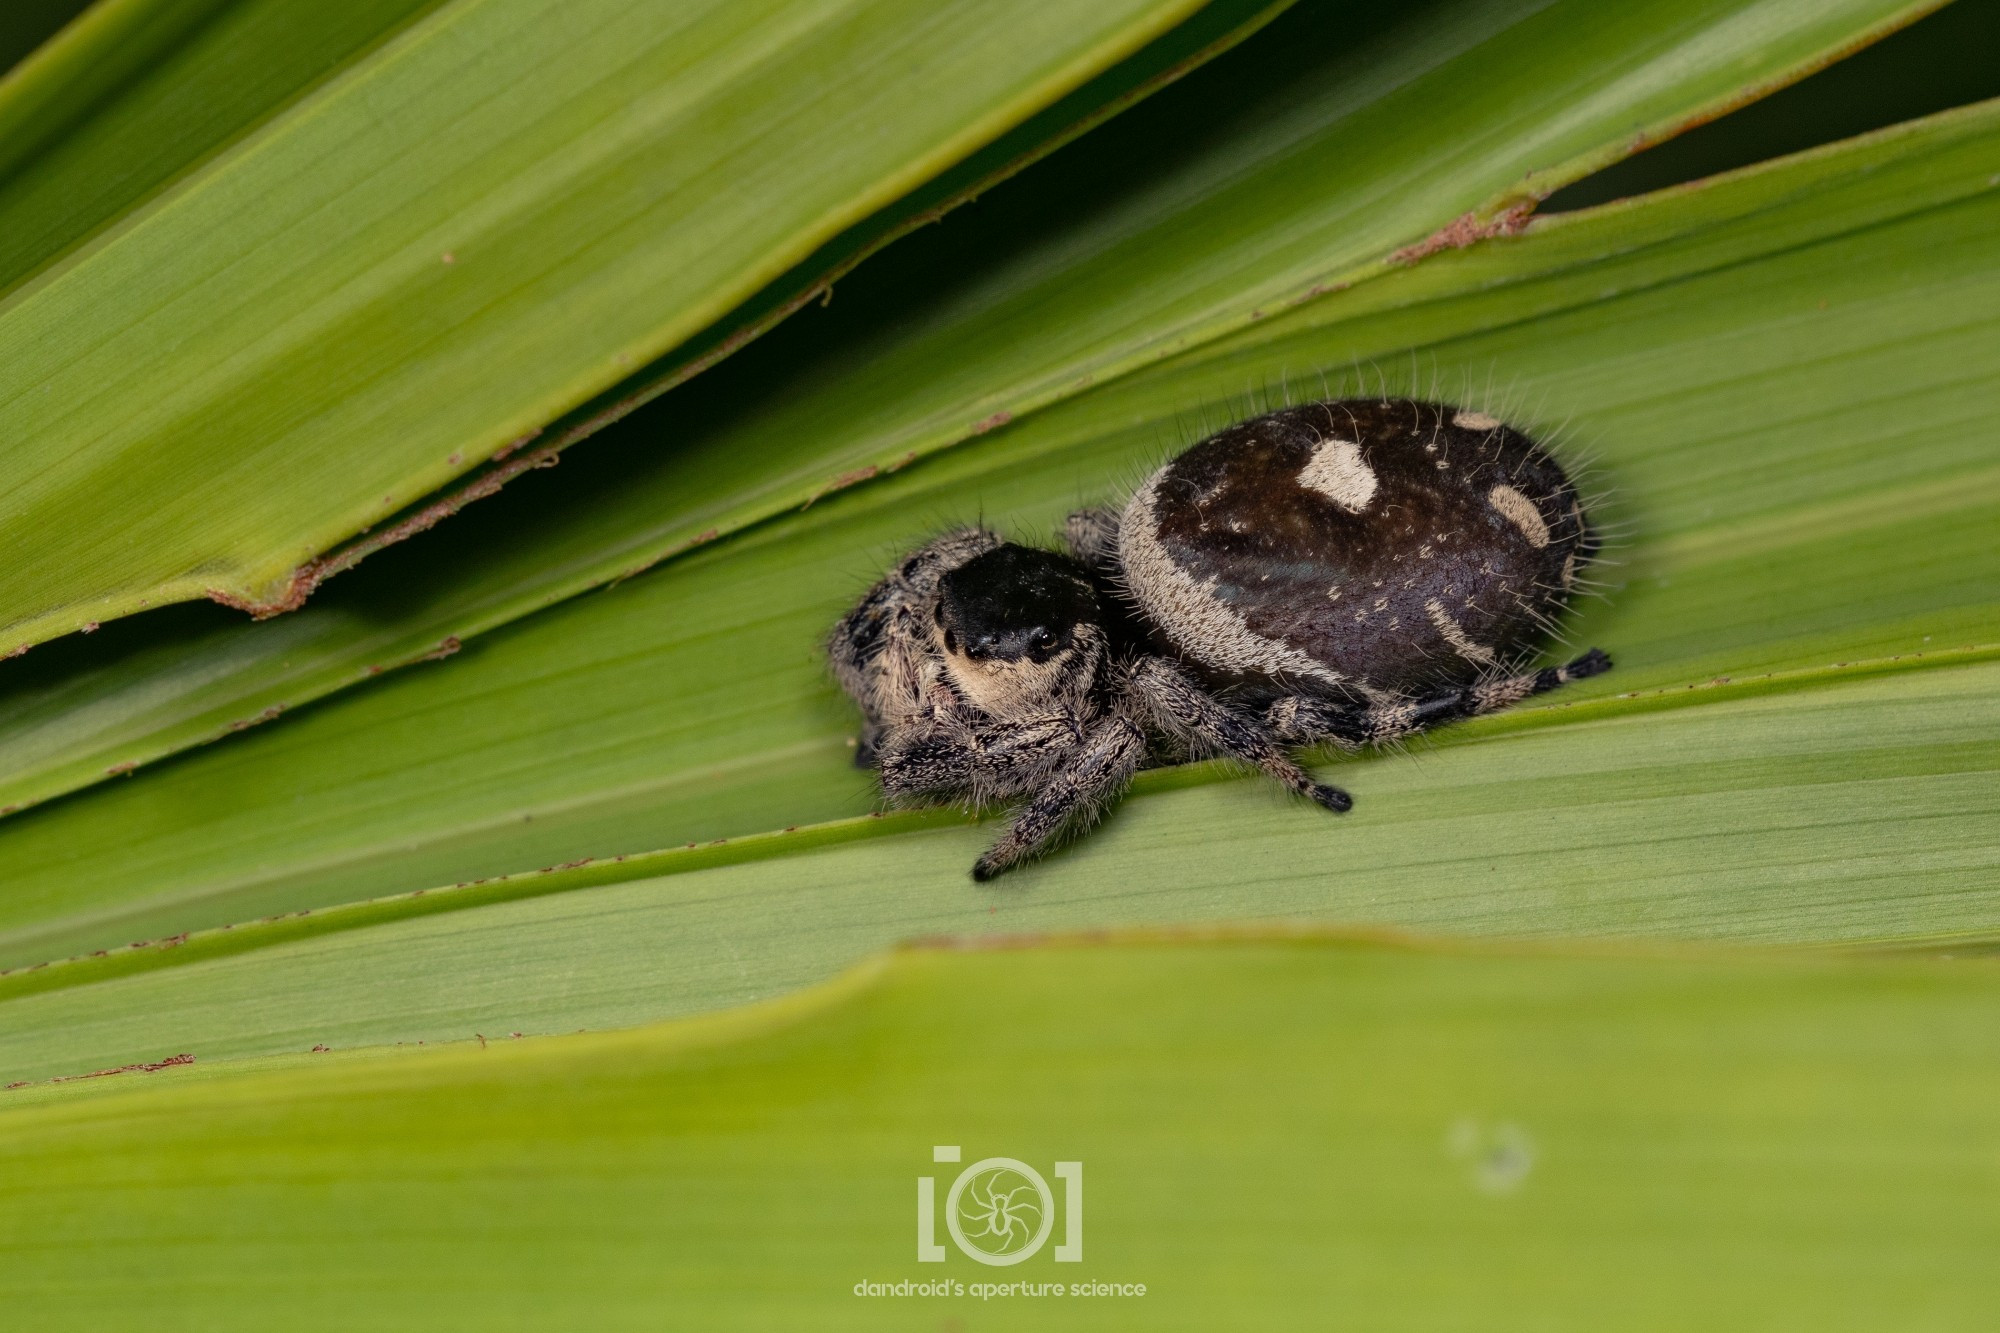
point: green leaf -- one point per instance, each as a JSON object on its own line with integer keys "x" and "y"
{"x": 499, "y": 213}
{"x": 140, "y": 93}
{"x": 27, "y": 24}
{"x": 1811, "y": 490}
{"x": 1417, "y": 1139}
{"x": 1327, "y": 145}
{"x": 1862, "y": 812}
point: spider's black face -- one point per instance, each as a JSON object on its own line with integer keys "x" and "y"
{"x": 1015, "y": 604}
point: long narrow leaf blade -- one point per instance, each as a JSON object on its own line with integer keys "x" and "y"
{"x": 486, "y": 221}
{"x": 1862, "y": 813}
{"x": 1154, "y": 228}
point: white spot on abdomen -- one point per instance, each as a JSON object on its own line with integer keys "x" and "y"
{"x": 1188, "y": 611}
{"x": 1454, "y": 634}
{"x": 1339, "y": 472}
{"x": 1476, "y": 421}
{"x": 1569, "y": 571}
{"x": 1519, "y": 510}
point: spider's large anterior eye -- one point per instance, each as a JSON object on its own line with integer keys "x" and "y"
{"x": 950, "y": 642}
{"x": 1044, "y": 638}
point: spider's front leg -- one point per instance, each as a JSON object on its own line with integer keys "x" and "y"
{"x": 1184, "y": 707}
{"x": 1088, "y": 776}
{"x": 954, "y": 759}
{"x": 1302, "y": 720}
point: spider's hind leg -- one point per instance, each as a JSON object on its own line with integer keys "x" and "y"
{"x": 1092, "y": 536}
{"x": 1302, "y": 720}
{"x": 1186, "y": 709}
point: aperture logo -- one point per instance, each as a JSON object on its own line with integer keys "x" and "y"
{"x": 1000, "y": 1211}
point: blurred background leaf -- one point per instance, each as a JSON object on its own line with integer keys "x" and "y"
{"x": 1268, "y": 1129}
{"x": 26, "y": 25}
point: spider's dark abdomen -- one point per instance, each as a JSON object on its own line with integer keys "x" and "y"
{"x": 1364, "y": 547}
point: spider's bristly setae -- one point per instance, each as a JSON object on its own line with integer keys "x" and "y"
{"x": 1346, "y": 572}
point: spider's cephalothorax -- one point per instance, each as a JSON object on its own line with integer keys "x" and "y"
{"x": 1345, "y": 572}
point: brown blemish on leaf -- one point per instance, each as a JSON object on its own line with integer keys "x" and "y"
{"x": 1467, "y": 229}
{"x": 305, "y": 580}
{"x": 121, "y": 770}
{"x": 143, "y": 1067}
{"x": 841, "y": 483}
{"x": 501, "y": 454}
{"x": 268, "y": 715}
{"x": 994, "y": 422}
{"x": 448, "y": 645}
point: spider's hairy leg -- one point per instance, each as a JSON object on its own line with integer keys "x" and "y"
{"x": 1183, "y": 707}
{"x": 954, "y": 759}
{"x": 1302, "y": 720}
{"x": 1090, "y": 775}
{"x": 919, "y": 763}
{"x": 1092, "y": 535}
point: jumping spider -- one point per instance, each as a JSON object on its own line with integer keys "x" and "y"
{"x": 1346, "y": 572}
